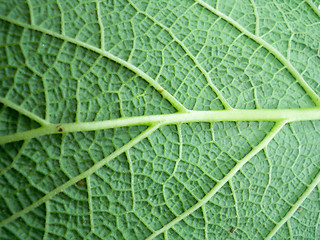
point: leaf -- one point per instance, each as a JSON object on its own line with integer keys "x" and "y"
{"x": 193, "y": 119}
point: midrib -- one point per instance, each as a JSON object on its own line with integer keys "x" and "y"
{"x": 276, "y": 115}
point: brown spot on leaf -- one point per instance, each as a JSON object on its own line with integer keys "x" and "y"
{"x": 59, "y": 128}
{"x": 80, "y": 183}
{"x": 232, "y": 229}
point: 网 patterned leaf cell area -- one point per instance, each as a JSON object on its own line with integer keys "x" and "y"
{"x": 193, "y": 119}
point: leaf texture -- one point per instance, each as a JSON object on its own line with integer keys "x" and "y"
{"x": 192, "y": 119}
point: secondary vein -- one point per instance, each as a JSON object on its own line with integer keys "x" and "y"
{"x": 23, "y": 111}
{"x": 175, "y": 103}
{"x": 194, "y": 59}
{"x": 83, "y": 175}
{"x": 223, "y": 181}
{"x": 294, "y": 208}
{"x": 270, "y": 48}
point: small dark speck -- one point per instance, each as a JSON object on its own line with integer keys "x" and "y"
{"x": 80, "y": 183}
{"x": 232, "y": 229}
{"x": 60, "y": 130}
{"x": 91, "y": 12}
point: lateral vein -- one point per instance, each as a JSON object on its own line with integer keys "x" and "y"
{"x": 23, "y": 111}
{"x": 270, "y": 48}
{"x": 223, "y": 181}
{"x": 175, "y": 103}
{"x": 83, "y": 175}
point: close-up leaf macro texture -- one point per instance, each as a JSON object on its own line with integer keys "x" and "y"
{"x": 159, "y": 119}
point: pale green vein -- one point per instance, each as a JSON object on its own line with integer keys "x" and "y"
{"x": 269, "y": 173}
{"x": 235, "y": 201}
{"x": 223, "y": 181}
{"x": 294, "y": 208}
{"x": 23, "y": 111}
{"x": 257, "y": 17}
{"x": 30, "y": 12}
{"x": 166, "y": 235}
{"x": 90, "y": 203}
{"x": 212, "y": 132}
{"x": 217, "y": 4}
{"x": 85, "y": 174}
{"x": 133, "y": 49}
{"x": 288, "y": 115}
{"x": 290, "y": 230}
{"x": 100, "y": 25}
{"x": 313, "y": 6}
{"x": 194, "y": 59}
{"x": 270, "y": 48}
{"x": 203, "y": 208}
{"x": 175, "y": 103}
{"x": 61, "y": 17}
{"x": 131, "y": 179}
{"x": 46, "y": 226}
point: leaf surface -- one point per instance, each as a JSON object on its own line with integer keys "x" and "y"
{"x": 193, "y": 119}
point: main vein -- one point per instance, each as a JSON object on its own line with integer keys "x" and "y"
{"x": 288, "y": 115}
{"x": 279, "y": 116}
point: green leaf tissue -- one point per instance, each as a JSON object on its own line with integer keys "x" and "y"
{"x": 159, "y": 119}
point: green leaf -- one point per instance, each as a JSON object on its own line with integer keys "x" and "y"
{"x": 193, "y": 119}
